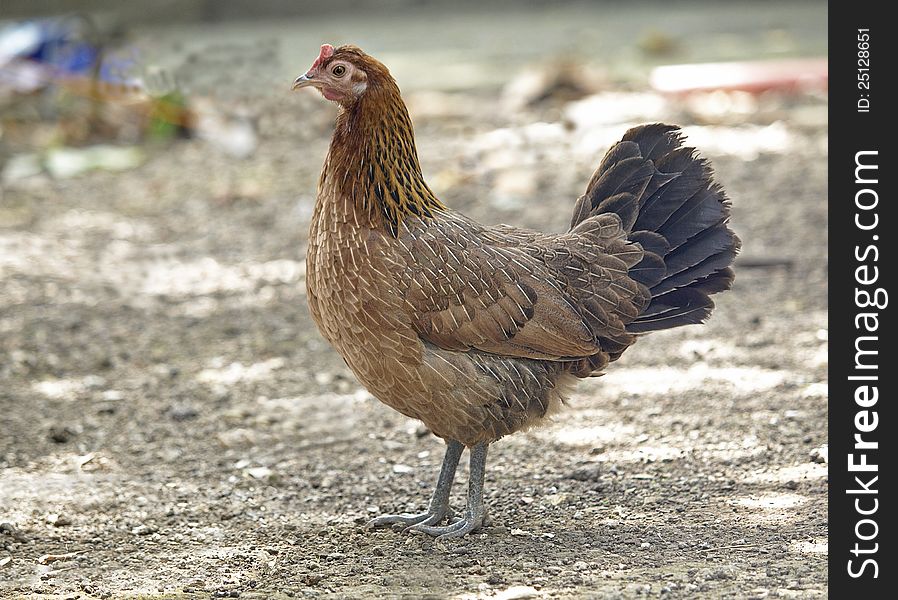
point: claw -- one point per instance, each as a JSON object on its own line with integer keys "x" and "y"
{"x": 456, "y": 529}
{"x": 405, "y": 519}
{"x": 430, "y": 520}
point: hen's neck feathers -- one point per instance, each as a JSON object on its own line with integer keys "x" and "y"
{"x": 373, "y": 165}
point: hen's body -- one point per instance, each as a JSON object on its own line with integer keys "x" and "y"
{"x": 475, "y": 330}
{"x": 362, "y": 287}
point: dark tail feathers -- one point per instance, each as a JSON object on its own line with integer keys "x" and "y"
{"x": 667, "y": 199}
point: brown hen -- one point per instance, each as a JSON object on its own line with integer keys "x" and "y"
{"x": 478, "y": 331}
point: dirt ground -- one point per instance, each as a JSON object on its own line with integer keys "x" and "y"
{"x": 173, "y": 426}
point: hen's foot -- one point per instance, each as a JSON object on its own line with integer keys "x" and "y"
{"x": 475, "y": 512}
{"x": 406, "y": 521}
{"x": 463, "y": 526}
{"x": 439, "y": 502}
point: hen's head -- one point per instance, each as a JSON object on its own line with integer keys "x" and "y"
{"x": 343, "y": 74}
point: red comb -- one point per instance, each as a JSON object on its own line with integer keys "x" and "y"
{"x": 326, "y": 52}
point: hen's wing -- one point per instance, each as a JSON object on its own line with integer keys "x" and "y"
{"x": 515, "y": 292}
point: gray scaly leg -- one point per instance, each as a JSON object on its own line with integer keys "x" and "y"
{"x": 475, "y": 513}
{"x": 439, "y": 502}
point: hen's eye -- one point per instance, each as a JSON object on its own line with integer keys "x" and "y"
{"x": 339, "y": 71}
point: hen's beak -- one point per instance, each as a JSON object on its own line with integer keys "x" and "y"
{"x": 303, "y": 81}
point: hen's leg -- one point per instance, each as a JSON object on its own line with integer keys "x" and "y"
{"x": 439, "y": 502}
{"x": 475, "y": 512}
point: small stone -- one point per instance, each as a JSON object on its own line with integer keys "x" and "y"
{"x": 401, "y": 469}
{"x": 58, "y": 520}
{"x": 181, "y": 412}
{"x": 93, "y": 381}
{"x": 517, "y": 592}
{"x": 557, "y": 499}
{"x": 61, "y": 434}
{"x": 821, "y": 454}
{"x": 718, "y": 573}
{"x": 259, "y": 472}
{"x": 586, "y": 473}
{"x": 324, "y": 378}
{"x": 7, "y": 528}
{"x": 143, "y": 530}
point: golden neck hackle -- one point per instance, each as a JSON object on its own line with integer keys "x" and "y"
{"x": 373, "y": 164}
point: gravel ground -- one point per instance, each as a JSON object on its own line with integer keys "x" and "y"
{"x": 173, "y": 426}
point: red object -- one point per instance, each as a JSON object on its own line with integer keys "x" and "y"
{"x": 326, "y": 52}
{"x": 749, "y": 76}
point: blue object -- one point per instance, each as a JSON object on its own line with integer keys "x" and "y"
{"x": 58, "y": 43}
{"x": 68, "y": 46}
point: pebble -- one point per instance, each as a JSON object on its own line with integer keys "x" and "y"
{"x": 821, "y": 454}
{"x": 718, "y": 573}
{"x": 61, "y": 434}
{"x": 324, "y": 378}
{"x": 58, "y": 520}
{"x": 143, "y": 530}
{"x": 586, "y": 473}
{"x": 259, "y": 472}
{"x": 181, "y": 412}
{"x": 557, "y": 499}
{"x": 517, "y": 592}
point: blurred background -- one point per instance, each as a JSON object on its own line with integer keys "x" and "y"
{"x": 171, "y": 421}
